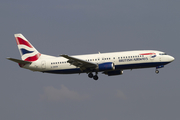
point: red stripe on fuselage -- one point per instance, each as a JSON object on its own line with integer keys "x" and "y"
{"x": 148, "y": 54}
{"x": 20, "y": 41}
{"x": 33, "y": 58}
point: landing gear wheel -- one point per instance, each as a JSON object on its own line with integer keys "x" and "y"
{"x": 157, "y": 71}
{"x": 90, "y": 75}
{"x": 95, "y": 77}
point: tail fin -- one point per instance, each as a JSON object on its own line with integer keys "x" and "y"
{"x": 27, "y": 51}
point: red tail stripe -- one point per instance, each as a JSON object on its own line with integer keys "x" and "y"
{"x": 20, "y": 41}
{"x": 148, "y": 54}
{"x": 33, "y": 58}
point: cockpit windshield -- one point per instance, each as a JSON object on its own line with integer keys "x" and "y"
{"x": 162, "y": 54}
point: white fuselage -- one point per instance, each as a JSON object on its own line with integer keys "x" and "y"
{"x": 121, "y": 60}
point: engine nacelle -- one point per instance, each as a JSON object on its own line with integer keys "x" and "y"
{"x": 106, "y": 66}
{"x": 114, "y": 72}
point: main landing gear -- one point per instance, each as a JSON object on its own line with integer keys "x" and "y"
{"x": 95, "y": 77}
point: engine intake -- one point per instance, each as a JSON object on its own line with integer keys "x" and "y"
{"x": 106, "y": 66}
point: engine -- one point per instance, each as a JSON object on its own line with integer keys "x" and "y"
{"x": 113, "y": 72}
{"x": 106, "y": 66}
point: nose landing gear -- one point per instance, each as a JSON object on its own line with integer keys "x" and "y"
{"x": 157, "y": 71}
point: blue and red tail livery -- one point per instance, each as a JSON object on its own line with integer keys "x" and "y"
{"x": 20, "y": 41}
{"x": 26, "y": 49}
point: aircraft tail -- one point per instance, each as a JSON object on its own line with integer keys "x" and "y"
{"x": 26, "y": 49}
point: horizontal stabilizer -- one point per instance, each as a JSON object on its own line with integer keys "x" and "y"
{"x": 19, "y": 61}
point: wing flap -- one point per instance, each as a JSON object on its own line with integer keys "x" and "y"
{"x": 19, "y": 61}
{"x": 79, "y": 62}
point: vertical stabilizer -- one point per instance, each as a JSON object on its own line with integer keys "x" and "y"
{"x": 26, "y": 49}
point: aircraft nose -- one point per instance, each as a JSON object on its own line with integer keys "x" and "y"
{"x": 171, "y": 58}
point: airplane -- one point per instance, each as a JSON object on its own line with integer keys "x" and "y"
{"x": 108, "y": 63}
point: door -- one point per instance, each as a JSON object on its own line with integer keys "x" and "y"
{"x": 160, "y": 58}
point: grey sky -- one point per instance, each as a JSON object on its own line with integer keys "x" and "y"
{"x": 80, "y": 27}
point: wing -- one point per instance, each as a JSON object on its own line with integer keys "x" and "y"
{"x": 82, "y": 64}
